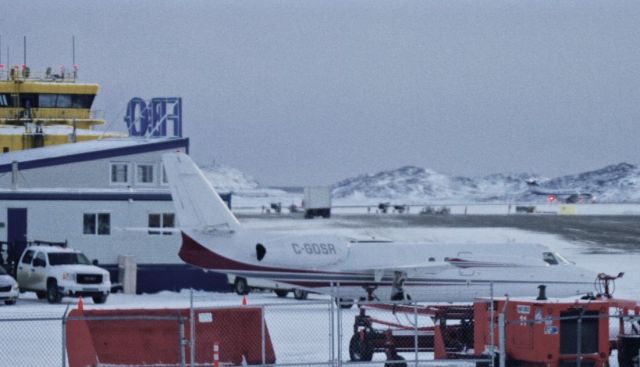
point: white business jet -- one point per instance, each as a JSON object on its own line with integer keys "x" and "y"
{"x": 213, "y": 239}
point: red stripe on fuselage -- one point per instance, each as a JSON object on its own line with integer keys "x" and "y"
{"x": 196, "y": 254}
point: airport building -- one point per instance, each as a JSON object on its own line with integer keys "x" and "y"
{"x": 105, "y": 198}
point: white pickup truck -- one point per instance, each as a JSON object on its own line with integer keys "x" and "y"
{"x": 55, "y": 272}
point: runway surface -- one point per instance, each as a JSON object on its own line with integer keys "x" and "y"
{"x": 604, "y": 232}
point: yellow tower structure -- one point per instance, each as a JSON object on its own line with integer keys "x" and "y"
{"x": 44, "y": 109}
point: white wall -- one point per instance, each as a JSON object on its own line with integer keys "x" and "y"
{"x": 63, "y": 220}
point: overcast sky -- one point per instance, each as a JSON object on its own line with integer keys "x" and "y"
{"x": 310, "y": 92}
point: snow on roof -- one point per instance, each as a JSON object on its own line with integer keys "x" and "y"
{"x": 85, "y": 151}
{"x": 48, "y": 248}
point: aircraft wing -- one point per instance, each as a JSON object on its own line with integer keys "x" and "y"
{"x": 424, "y": 268}
{"x": 462, "y": 261}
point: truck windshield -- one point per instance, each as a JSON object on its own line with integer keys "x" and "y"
{"x": 67, "y": 258}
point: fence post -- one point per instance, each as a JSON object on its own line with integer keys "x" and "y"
{"x": 192, "y": 331}
{"x": 263, "y": 345}
{"x": 415, "y": 336}
{"x": 332, "y": 329}
{"x": 181, "y": 339}
{"x": 579, "y": 341}
{"x": 64, "y": 337}
{"x": 502, "y": 329}
{"x": 339, "y": 325}
{"x": 492, "y": 326}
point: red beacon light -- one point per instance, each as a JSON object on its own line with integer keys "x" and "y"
{"x": 551, "y": 198}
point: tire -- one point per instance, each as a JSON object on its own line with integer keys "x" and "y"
{"x": 241, "y": 287}
{"x": 299, "y": 294}
{"x": 53, "y": 294}
{"x": 10, "y": 302}
{"x": 344, "y": 303}
{"x": 100, "y": 299}
{"x": 399, "y": 362}
{"x": 41, "y": 294}
{"x": 282, "y": 293}
{"x": 360, "y": 351}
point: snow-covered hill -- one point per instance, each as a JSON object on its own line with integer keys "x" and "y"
{"x": 615, "y": 183}
{"x": 226, "y": 179}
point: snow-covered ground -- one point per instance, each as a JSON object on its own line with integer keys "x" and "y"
{"x": 300, "y": 330}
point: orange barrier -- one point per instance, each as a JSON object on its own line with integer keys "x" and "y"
{"x": 125, "y": 337}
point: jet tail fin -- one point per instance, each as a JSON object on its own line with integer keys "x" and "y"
{"x": 198, "y": 205}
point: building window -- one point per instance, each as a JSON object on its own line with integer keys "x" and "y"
{"x": 5, "y": 100}
{"x": 161, "y": 220}
{"x": 96, "y": 223}
{"x": 46, "y": 100}
{"x": 144, "y": 173}
{"x": 119, "y": 173}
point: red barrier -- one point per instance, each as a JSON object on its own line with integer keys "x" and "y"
{"x": 124, "y": 336}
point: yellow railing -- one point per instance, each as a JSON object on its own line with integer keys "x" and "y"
{"x": 50, "y": 75}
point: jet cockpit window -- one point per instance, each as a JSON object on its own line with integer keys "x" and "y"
{"x": 554, "y": 258}
{"x": 561, "y": 259}
{"x": 550, "y": 258}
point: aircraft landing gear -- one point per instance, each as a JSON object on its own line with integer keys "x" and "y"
{"x": 397, "y": 288}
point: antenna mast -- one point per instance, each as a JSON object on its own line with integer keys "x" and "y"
{"x": 73, "y": 51}
{"x": 24, "y": 48}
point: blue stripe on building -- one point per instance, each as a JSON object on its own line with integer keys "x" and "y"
{"x": 94, "y": 196}
{"x": 153, "y": 278}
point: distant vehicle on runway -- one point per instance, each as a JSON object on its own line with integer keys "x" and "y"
{"x": 568, "y": 196}
{"x": 317, "y": 202}
{"x": 349, "y": 268}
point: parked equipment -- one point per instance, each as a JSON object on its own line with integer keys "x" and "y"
{"x": 317, "y": 202}
{"x": 448, "y": 337}
{"x": 523, "y": 332}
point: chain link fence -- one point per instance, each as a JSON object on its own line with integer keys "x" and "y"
{"x": 320, "y": 331}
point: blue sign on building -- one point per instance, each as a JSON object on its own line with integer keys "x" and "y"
{"x": 161, "y": 116}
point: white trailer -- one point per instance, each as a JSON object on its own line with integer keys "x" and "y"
{"x": 317, "y": 202}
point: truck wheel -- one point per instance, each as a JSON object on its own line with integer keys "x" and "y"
{"x": 300, "y": 294}
{"x": 241, "y": 287}
{"x": 53, "y": 295}
{"x": 41, "y": 294}
{"x": 282, "y": 293}
{"x": 100, "y": 299}
{"x": 360, "y": 351}
{"x": 10, "y": 302}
